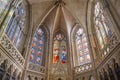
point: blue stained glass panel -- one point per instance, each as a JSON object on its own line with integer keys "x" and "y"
{"x": 15, "y": 37}
{"x": 37, "y": 47}
{"x": 12, "y": 30}
{"x": 22, "y": 11}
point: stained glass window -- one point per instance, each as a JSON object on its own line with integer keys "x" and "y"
{"x": 83, "y": 54}
{"x": 22, "y": 11}
{"x": 16, "y": 36}
{"x": 11, "y": 31}
{"x": 102, "y": 25}
{"x": 59, "y": 49}
{"x": 16, "y": 28}
{"x": 37, "y": 48}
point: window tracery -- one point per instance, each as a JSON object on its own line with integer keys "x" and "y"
{"x": 16, "y": 27}
{"x": 102, "y": 26}
{"x": 83, "y": 53}
{"x": 59, "y": 49}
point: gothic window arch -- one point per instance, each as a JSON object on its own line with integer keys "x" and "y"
{"x": 59, "y": 49}
{"x": 102, "y": 25}
{"x": 37, "y": 53}
{"x": 16, "y": 29}
{"x": 81, "y": 54}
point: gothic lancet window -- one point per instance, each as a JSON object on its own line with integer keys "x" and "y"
{"x": 102, "y": 26}
{"x": 37, "y": 49}
{"x": 16, "y": 27}
{"x": 83, "y": 53}
{"x": 59, "y": 49}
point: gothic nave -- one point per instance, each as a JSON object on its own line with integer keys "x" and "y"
{"x": 59, "y": 40}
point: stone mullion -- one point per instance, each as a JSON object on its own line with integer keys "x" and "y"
{"x": 93, "y": 34}
{"x": 10, "y": 27}
{"x": 113, "y": 17}
{"x": 20, "y": 34}
{"x": 96, "y": 40}
{"x": 100, "y": 29}
{"x": 44, "y": 51}
{"x": 106, "y": 45}
{"x": 90, "y": 48}
{"x": 104, "y": 31}
{"x": 16, "y": 27}
{"x": 113, "y": 11}
{"x": 102, "y": 21}
{"x": 78, "y": 55}
{"x": 102, "y": 37}
{"x": 21, "y": 31}
{"x": 46, "y": 56}
{"x": 7, "y": 20}
{"x": 107, "y": 18}
{"x": 36, "y": 50}
{"x": 97, "y": 52}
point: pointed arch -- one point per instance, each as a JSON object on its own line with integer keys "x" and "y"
{"x": 80, "y": 48}
{"x": 101, "y": 28}
{"x": 16, "y": 29}
{"x": 102, "y": 25}
{"x": 39, "y": 46}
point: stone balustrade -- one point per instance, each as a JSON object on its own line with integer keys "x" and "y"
{"x": 112, "y": 43}
{"x": 38, "y": 68}
{"x": 82, "y": 68}
{"x": 11, "y": 49}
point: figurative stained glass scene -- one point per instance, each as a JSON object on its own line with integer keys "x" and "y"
{"x": 102, "y": 25}
{"x": 59, "y": 39}
{"x": 37, "y": 47}
{"x": 83, "y": 54}
{"x": 59, "y": 49}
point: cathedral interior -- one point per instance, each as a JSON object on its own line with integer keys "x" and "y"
{"x": 59, "y": 39}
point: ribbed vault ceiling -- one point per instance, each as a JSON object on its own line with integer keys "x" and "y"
{"x": 58, "y": 14}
